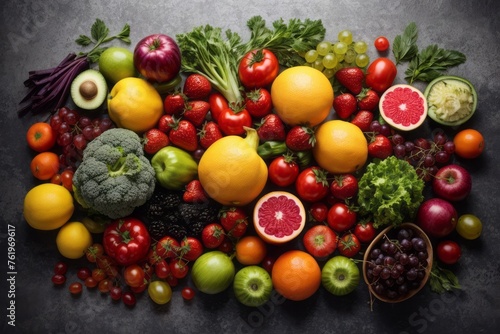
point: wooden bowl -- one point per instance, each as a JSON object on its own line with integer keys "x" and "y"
{"x": 391, "y": 232}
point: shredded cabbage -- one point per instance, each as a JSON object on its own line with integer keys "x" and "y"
{"x": 390, "y": 192}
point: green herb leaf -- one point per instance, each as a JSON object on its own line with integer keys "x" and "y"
{"x": 442, "y": 280}
{"x": 124, "y": 34}
{"x": 431, "y": 63}
{"x": 99, "y": 30}
{"x": 404, "y": 47}
{"x": 83, "y": 40}
{"x": 95, "y": 54}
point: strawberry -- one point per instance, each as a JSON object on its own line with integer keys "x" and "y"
{"x": 380, "y": 147}
{"x": 300, "y": 138}
{"x": 154, "y": 140}
{"x": 345, "y": 105}
{"x": 234, "y": 220}
{"x": 363, "y": 119}
{"x": 197, "y": 87}
{"x": 351, "y": 78}
{"x": 194, "y": 193}
{"x": 165, "y": 123}
{"x": 258, "y": 102}
{"x": 271, "y": 127}
{"x": 209, "y": 134}
{"x": 344, "y": 186}
{"x": 213, "y": 235}
{"x": 184, "y": 135}
{"x": 196, "y": 111}
{"x": 190, "y": 248}
{"x": 368, "y": 99}
{"x": 174, "y": 103}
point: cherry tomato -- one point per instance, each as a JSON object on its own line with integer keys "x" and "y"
{"x": 365, "y": 232}
{"x": 179, "y": 268}
{"x": 381, "y": 43}
{"x": 319, "y": 212}
{"x": 83, "y": 273}
{"x": 160, "y": 292}
{"x": 349, "y": 245}
{"x": 341, "y": 218}
{"x": 60, "y": 268}
{"x": 75, "y": 288}
{"x": 449, "y": 252}
{"x": 67, "y": 179}
{"x": 320, "y": 241}
{"x": 133, "y": 275}
{"x": 94, "y": 252}
{"x": 258, "y": 68}
{"x": 231, "y": 122}
{"x": 380, "y": 74}
{"x": 128, "y": 298}
{"x": 41, "y": 137}
{"x": 58, "y": 279}
{"x": 98, "y": 274}
{"x": 469, "y": 226}
{"x": 217, "y": 103}
{"x": 162, "y": 269}
{"x": 283, "y": 171}
{"x": 258, "y": 102}
{"x": 188, "y": 293}
{"x": 115, "y": 292}
{"x": 311, "y": 184}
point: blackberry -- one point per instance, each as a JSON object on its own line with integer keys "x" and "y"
{"x": 157, "y": 229}
{"x": 195, "y": 229}
{"x": 176, "y": 231}
{"x": 203, "y": 213}
{"x": 162, "y": 201}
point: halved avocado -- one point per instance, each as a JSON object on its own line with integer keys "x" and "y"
{"x": 451, "y": 100}
{"x": 89, "y": 89}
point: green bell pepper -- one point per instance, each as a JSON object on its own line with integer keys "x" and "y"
{"x": 174, "y": 167}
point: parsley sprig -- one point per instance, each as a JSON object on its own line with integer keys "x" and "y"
{"x": 442, "y": 280}
{"x": 99, "y": 35}
{"x": 427, "y": 64}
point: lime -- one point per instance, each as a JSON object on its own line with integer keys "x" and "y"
{"x": 116, "y": 63}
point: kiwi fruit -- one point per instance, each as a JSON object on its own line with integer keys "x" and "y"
{"x": 89, "y": 89}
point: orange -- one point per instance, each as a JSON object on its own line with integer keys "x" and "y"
{"x": 341, "y": 147}
{"x": 469, "y": 143}
{"x": 231, "y": 171}
{"x": 250, "y": 250}
{"x": 302, "y": 95}
{"x": 48, "y": 206}
{"x": 73, "y": 239}
{"x": 45, "y": 165}
{"x": 135, "y": 104}
{"x": 296, "y": 275}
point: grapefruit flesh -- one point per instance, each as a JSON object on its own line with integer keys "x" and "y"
{"x": 403, "y": 107}
{"x": 279, "y": 217}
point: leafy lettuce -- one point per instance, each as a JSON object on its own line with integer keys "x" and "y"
{"x": 390, "y": 192}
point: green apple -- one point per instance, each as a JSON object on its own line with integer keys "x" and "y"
{"x": 252, "y": 286}
{"x": 340, "y": 275}
{"x": 116, "y": 63}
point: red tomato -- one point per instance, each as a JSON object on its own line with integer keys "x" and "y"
{"x": 258, "y": 102}
{"x": 179, "y": 268}
{"x": 348, "y": 245}
{"x": 231, "y": 122}
{"x": 134, "y": 275}
{"x": 258, "y": 68}
{"x": 283, "y": 171}
{"x": 319, "y": 212}
{"x": 365, "y": 232}
{"x": 449, "y": 252}
{"x": 344, "y": 186}
{"x": 381, "y": 43}
{"x": 162, "y": 269}
{"x": 217, "y": 103}
{"x": 311, "y": 184}
{"x": 126, "y": 240}
{"x": 341, "y": 218}
{"x": 41, "y": 137}
{"x": 320, "y": 241}
{"x": 380, "y": 74}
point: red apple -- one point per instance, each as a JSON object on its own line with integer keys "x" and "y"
{"x": 157, "y": 57}
{"x": 437, "y": 217}
{"x": 452, "y": 182}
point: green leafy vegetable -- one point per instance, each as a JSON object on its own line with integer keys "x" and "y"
{"x": 207, "y": 51}
{"x": 431, "y": 63}
{"x": 404, "y": 47}
{"x": 442, "y": 280}
{"x": 390, "y": 192}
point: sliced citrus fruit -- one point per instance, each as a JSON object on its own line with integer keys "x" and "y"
{"x": 451, "y": 100}
{"x": 403, "y": 107}
{"x": 279, "y": 217}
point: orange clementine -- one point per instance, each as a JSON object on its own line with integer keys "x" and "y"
{"x": 341, "y": 147}
{"x": 302, "y": 95}
{"x": 296, "y": 275}
{"x": 469, "y": 143}
{"x": 45, "y": 165}
{"x": 250, "y": 250}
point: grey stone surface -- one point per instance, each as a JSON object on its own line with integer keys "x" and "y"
{"x": 37, "y": 35}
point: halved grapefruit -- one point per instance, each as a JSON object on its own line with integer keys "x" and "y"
{"x": 403, "y": 107}
{"x": 279, "y": 217}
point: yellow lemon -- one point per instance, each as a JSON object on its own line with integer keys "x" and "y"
{"x": 231, "y": 171}
{"x": 73, "y": 239}
{"x": 135, "y": 104}
{"x": 341, "y": 147}
{"x": 48, "y": 206}
{"x": 302, "y": 95}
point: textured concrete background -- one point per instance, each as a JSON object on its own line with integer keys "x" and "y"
{"x": 37, "y": 35}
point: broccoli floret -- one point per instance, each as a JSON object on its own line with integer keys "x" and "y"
{"x": 114, "y": 176}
